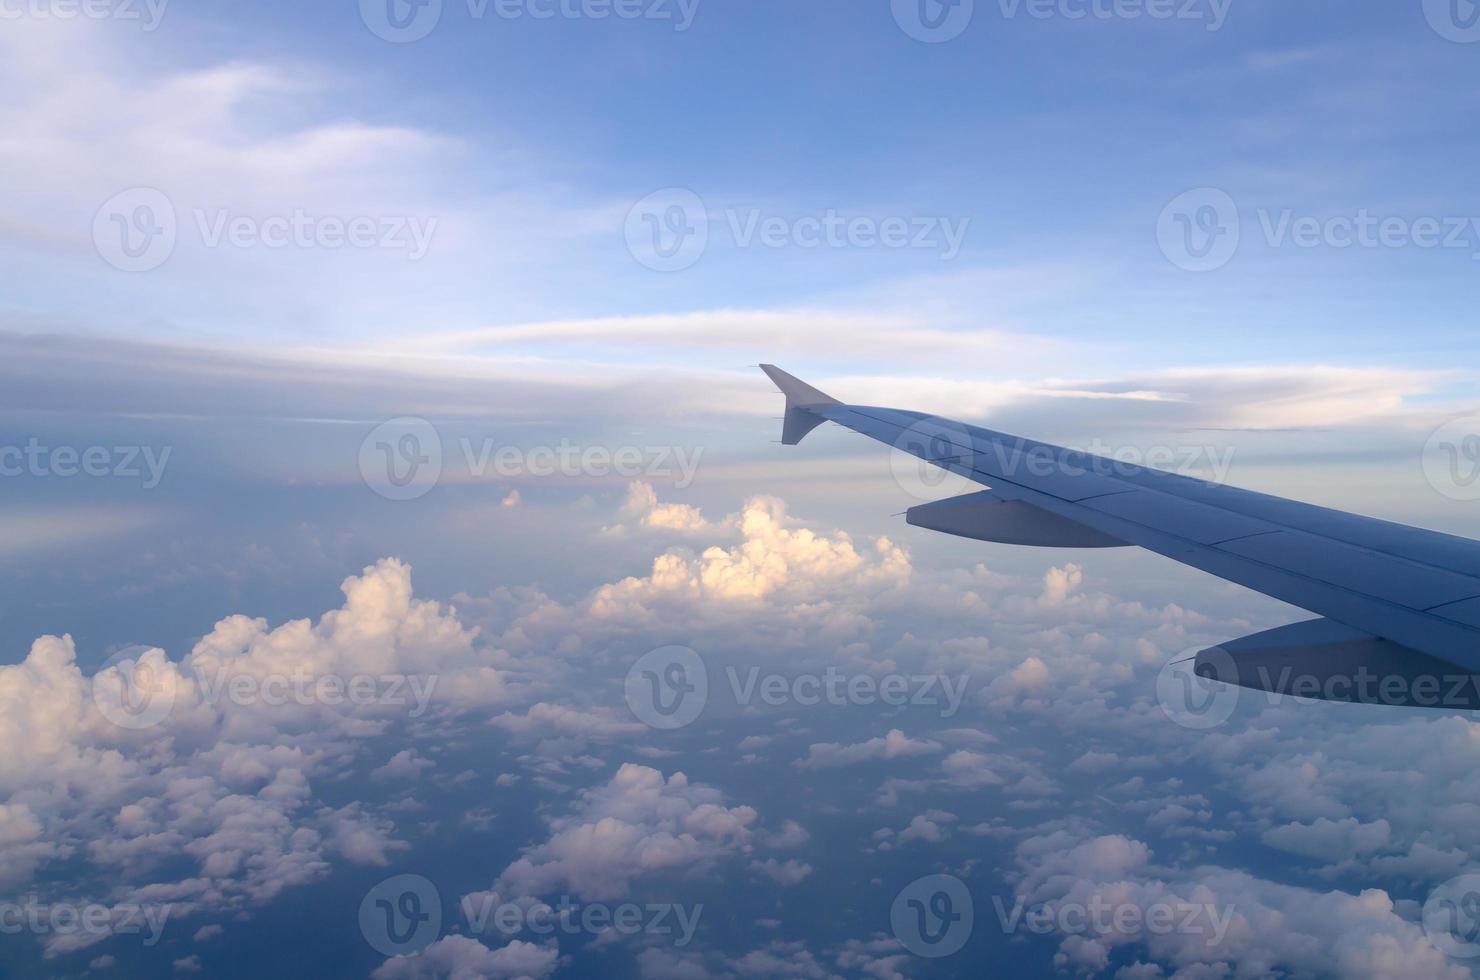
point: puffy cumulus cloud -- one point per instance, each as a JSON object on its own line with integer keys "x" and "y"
{"x": 788, "y": 872}
{"x": 638, "y": 824}
{"x": 1368, "y": 801}
{"x": 1330, "y": 840}
{"x": 880, "y": 957}
{"x": 775, "y": 559}
{"x": 641, "y": 509}
{"x": 894, "y": 745}
{"x": 1016, "y": 776}
{"x": 553, "y": 720}
{"x": 810, "y": 594}
{"x": 405, "y": 764}
{"x": 22, "y": 845}
{"x": 656, "y": 963}
{"x": 1211, "y": 921}
{"x": 1059, "y": 582}
{"x": 382, "y": 630}
{"x": 464, "y": 958}
{"x": 791, "y": 835}
{"x": 209, "y": 758}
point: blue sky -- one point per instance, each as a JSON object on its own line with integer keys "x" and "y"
{"x": 252, "y": 248}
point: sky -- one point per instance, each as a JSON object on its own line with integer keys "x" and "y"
{"x": 400, "y": 575}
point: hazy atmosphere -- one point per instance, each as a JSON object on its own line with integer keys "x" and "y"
{"x": 401, "y": 576}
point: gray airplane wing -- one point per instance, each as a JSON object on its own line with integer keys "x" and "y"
{"x": 1399, "y": 605}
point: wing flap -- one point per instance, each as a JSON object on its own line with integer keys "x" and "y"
{"x": 987, "y": 516}
{"x": 1330, "y": 661}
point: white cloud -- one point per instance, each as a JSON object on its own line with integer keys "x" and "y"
{"x": 223, "y": 779}
{"x": 640, "y": 823}
{"x": 894, "y": 745}
{"x": 784, "y": 873}
{"x": 1243, "y": 925}
{"x": 463, "y": 958}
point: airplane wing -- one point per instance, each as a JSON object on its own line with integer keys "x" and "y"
{"x": 1399, "y": 606}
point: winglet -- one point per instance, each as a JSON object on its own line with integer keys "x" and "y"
{"x": 801, "y": 401}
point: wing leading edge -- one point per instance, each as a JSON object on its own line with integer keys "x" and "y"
{"x": 1400, "y": 606}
